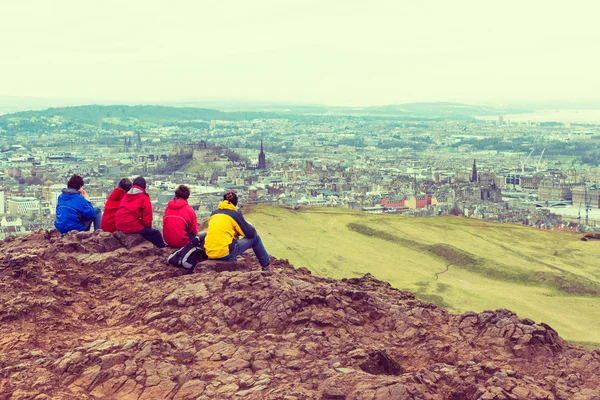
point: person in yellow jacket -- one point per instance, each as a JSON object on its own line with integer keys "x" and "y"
{"x": 229, "y": 235}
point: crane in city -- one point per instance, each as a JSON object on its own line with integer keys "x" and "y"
{"x": 588, "y": 207}
{"x": 537, "y": 166}
{"x": 585, "y": 202}
{"x": 579, "y": 227}
{"x": 524, "y": 162}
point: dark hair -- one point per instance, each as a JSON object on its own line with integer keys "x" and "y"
{"x": 75, "y": 182}
{"x": 140, "y": 181}
{"x": 125, "y": 184}
{"x": 231, "y": 197}
{"x": 183, "y": 192}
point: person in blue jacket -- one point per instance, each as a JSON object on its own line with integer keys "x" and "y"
{"x": 73, "y": 211}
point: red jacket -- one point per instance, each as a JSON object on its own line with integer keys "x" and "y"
{"x": 110, "y": 210}
{"x": 135, "y": 211}
{"x": 179, "y": 220}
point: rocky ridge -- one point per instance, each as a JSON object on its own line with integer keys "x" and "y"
{"x": 101, "y": 316}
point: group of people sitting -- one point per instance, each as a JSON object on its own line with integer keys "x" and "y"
{"x": 128, "y": 209}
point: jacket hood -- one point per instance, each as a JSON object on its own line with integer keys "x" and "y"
{"x": 70, "y": 191}
{"x": 225, "y": 205}
{"x": 177, "y": 203}
{"x": 117, "y": 194}
{"x": 136, "y": 190}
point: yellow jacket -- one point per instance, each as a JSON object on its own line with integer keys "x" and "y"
{"x": 225, "y": 226}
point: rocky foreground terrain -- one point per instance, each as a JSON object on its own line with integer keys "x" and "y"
{"x": 591, "y": 236}
{"x": 101, "y": 316}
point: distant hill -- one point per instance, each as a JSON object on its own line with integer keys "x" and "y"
{"x": 120, "y": 117}
{"x": 424, "y": 109}
{"x": 459, "y": 263}
{"x": 124, "y": 117}
{"x": 97, "y": 115}
{"x": 443, "y": 109}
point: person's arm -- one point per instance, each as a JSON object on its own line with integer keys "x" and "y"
{"x": 247, "y": 230}
{"x": 147, "y": 212}
{"x": 85, "y": 208}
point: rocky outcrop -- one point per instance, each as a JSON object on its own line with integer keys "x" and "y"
{"x": 97, "y": 315}
{"x": 591, "y": 236}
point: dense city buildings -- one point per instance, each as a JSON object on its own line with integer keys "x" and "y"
{"x": 534, "y": 174}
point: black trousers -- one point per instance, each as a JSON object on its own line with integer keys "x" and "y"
{"x": 153, "y": 236}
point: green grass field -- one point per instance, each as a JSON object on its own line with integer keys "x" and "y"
{"x": 198, "y": 166}
{"x": 458, "y": 263}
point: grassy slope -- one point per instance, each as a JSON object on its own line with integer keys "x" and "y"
{"x": 547, "y": 276}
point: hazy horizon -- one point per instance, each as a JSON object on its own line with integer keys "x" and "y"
{"x": 333, "y": 53}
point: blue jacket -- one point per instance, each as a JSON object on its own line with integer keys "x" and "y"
{"x": 72, "y": 210}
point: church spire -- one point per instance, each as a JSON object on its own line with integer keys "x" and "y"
{"x": 474, "y": 174}
{"x": 262, "y": 160}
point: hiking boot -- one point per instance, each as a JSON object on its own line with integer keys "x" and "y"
{"x": 267, "y": 268}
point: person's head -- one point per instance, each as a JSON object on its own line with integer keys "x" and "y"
{"x": 75, "y": 182}
{"x": 125, "y": 184}
{"x": 231, "y": 197}
{"x": 140, "y": 181}
{"x": 182, "y": 192}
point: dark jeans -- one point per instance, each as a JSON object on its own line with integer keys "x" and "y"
{"x": 256, "y": 244}
{"x": 93, "y": 221}
{"x": 153, "y": 236}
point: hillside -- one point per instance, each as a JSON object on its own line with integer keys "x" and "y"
{"x": 424, "y": 109}
{"x": 97, "y": 315}
{"x": 147, "y": 116}
{"x": 437, "y": 109}
{"x": 459, "y": 263}
{"x": 93, "y": 114}
{"x": 119, "y": 116}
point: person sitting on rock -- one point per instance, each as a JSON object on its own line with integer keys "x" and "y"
{"x": 179, "y": 223}
{"x": 73, "y": 211}
{"x": 112, "y": 205}
{"x": 135, "y": 214}
{"x": 225, "y": 226}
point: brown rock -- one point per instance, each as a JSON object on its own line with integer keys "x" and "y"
{"x": 190, "y": 390}
{"x": 521, "y": 392}
{"x": 235, "y": 365}
{"x": 260, "y": 364}
{"x": 228, "y": 331}
{"x": 160, "y": 391}
{"x": 332, "y": 393}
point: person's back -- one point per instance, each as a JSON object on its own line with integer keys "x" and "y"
{"x": 135, "y": 213}
{"x": 73, "y": 211}
{"x": 225, "y": 226}
{"x": 112, "y": 205}
{"x": 179, "y": 221}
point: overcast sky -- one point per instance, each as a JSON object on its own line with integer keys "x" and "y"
{"x": 344, "y": 52}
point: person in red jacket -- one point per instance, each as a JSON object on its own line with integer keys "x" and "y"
{"x": 179, "y": 223}
{"x": 112, "y": 205}
{"x": 135, "y": 214}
